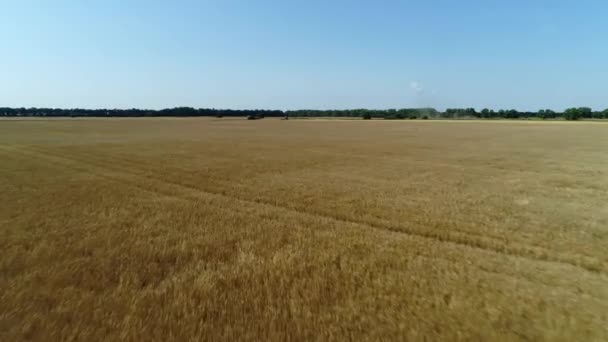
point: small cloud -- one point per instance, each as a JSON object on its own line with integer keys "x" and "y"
{"x": 417, "y": 87}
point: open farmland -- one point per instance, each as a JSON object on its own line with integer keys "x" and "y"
{"x": 224, "y": 229}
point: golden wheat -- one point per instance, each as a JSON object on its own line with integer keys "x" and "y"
{"x": 206, "y": 229}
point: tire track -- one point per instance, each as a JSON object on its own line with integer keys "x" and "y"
{"x": 130, "y": 166}
{"x": 64, "y": 163}
{"x": 526, "y": 252}
{"x": 186, "y": 179}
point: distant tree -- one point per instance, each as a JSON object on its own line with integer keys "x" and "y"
{"x": 585, "y": 112}
{"x": 398, "y": 116}
{"x": 485, "y": 113}
{"x": 572, "y": 114}
{"x": 546, "y": 114}
{"x": 450, "y": 113}
{"x": 366, "y": 116}
{"x": 512, "y": 114}
{"x": 471, "y": 112}
{"x": 429, "y": 112}
{"x": 541, "y": 114}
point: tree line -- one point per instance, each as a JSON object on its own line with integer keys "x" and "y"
{"x": 174, "y": 112}
{"x": 455, "y": 113}
{"x": 389, "y": 114}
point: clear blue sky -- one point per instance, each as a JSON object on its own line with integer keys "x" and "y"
{"x": 277, "y": 54}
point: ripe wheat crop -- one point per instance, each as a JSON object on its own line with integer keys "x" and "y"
{"x": 228, "y": 229}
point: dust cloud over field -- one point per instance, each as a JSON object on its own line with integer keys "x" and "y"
{"x": 224, "y": 229}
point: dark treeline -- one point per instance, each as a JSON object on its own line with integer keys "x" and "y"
{"x": 454, "y": 113}
{"x": 127, "y": 113}
{"x": 396, "y": 114}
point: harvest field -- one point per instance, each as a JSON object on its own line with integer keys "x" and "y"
{"x": 224, "y": 229}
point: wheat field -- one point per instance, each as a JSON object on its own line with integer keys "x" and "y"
{"x": 227, "y": 229}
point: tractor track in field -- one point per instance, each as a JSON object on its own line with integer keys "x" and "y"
{"x": 128, "y": 166}
{"x": 127, "y": 177}
{"x": 531, "y": 253}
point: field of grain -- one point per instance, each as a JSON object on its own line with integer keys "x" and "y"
{"x": 227, "y": 229}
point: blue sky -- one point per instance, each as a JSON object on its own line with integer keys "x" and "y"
{"x": 275, "y": 54}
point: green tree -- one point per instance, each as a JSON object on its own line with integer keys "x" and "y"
{"x": 585, "y": 112}
{"x": 485, "y": 113}
{"x": 542, "y": 114}
{"x": 572, "y": 114}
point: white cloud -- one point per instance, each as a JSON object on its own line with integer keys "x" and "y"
{"x": 417, "y": 87}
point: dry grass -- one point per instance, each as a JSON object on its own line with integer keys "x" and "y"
{"x": 204, "y": 229}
